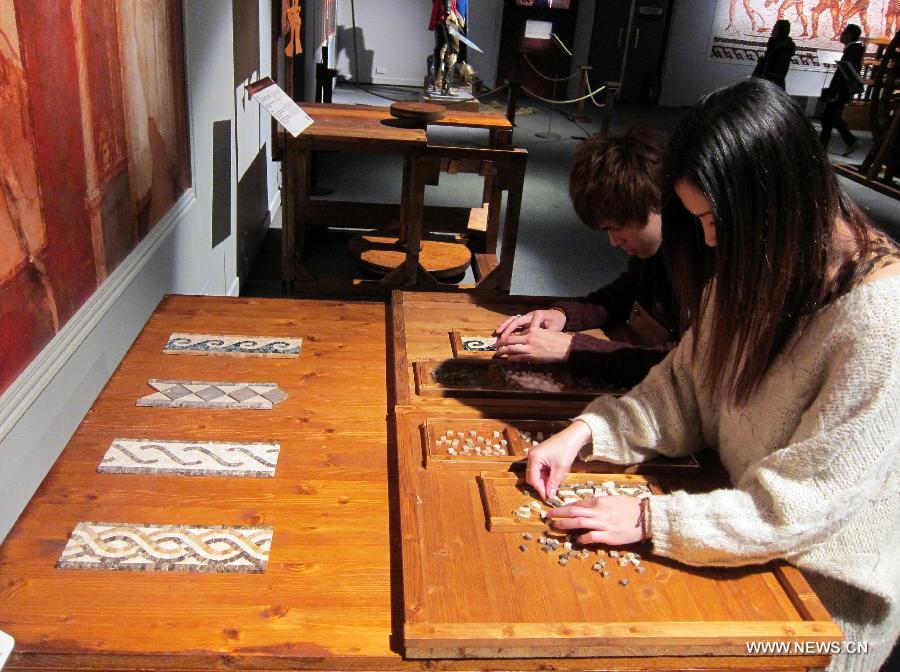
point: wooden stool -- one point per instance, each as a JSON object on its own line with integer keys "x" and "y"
{"x": 382, "y": 254}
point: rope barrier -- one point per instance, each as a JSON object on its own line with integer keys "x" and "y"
{"x": 542, "y": 75}
{"x": 590, "y": 94}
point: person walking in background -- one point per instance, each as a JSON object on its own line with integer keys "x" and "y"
{"x": 780, "y": 49}
{"x": 845, "y": 83}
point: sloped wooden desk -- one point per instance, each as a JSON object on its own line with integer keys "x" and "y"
{"x": 333, "y": 594}
{"x": 372, "y": 129}
{"x": 470, "y": 592}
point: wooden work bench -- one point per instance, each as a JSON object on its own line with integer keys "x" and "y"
{"x": 372, "y": 129}
{"x": 377, "y": 561}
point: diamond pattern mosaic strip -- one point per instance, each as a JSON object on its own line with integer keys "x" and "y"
{"x": 241, "y": 346}
{"x": 197, "y": 458}
{"x": 167, "y": 548}
{"x": 200, "y": 394}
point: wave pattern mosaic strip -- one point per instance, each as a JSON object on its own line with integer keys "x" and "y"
{"x": 198, "y": 458}
{"x": 479, "y": 343}
{"x": 241, "y": 346}
{"x": 200, "y": 394}
{"x": 167, "y": 548}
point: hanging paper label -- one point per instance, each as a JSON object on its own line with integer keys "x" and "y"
{"x": 273, "y": 98}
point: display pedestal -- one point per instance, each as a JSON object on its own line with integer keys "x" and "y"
{"x": 459, "y": 98}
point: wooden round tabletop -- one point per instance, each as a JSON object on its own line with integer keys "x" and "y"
{"x": 417, "y": 111}
{"x": 382, "y": 254}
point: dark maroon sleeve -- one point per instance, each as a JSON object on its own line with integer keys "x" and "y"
{"x": 623, "y": 363}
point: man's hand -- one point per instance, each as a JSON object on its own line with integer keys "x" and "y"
{"x": 611, "y": 520}
{"x": 552, "y": 320}
{"x": 535, "y": 345}
{"x": 549, "y": 462}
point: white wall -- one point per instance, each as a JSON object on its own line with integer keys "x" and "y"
{"x": 396, "y": 39}
{"x": 485, "y": 25}
{"x": 688, "y": 74}
{"x": 41, "y": 410}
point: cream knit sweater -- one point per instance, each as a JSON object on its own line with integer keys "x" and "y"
{"x": 814, "y": 458}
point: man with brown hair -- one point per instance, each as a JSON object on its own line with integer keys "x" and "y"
{"x": 614, "y": 186}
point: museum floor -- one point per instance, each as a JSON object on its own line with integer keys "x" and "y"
{"x": 556, "y": 254}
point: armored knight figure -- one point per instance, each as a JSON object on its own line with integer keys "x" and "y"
{"x": 444, "y": 15}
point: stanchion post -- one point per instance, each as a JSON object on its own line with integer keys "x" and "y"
{"x": 321, "y": 74}
{"x": 612, "y": 88}
{"x": 512, "y": 99}
{"x": 513, "y": 87}
{"x": 582, "y": 92}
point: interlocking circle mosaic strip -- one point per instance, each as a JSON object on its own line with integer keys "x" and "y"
{"x": 241, "y": 346}
{"x": 190, "y": 458}
{"x": 167, "y": 548}
{"x": 201, "y": 394}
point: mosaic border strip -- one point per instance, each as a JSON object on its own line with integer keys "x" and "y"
{"x": 479, "y": 343}
{"x": 202, "y": 394}
{"x": 190, "y": 458}
{"x": 240, "y": 346}
{"x": 141, "y": 547}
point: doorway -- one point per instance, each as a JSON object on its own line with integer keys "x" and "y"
{"x": 628, "y": 45}
{"x": 544, "y": 55}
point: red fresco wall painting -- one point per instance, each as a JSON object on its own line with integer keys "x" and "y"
{"x": 93, "y": 152}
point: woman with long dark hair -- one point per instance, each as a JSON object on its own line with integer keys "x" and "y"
{"x": 789, "y": 368}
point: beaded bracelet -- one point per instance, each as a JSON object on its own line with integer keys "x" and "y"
{"x": 644, "y": 518}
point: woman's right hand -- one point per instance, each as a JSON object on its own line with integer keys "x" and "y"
{"x": 552, "y": 320}
{"x": 549, "y": 462}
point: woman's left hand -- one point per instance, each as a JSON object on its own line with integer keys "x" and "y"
{"x": 613, "y": 520}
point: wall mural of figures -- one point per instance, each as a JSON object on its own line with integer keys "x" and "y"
{"x": 742, "y": 27}
{"x": 93, "y": 152}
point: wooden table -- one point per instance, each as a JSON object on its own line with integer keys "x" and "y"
{"x": 325, "y": 599}
{"x": 341, "y": 504}
{"x": 366, "y": 128}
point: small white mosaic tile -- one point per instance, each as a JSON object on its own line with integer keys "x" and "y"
{"x": 190, "y": 458}
{"x": 241, "y": 346}
{"x": 201, "y": 394}
{"x": 167, "y": 548}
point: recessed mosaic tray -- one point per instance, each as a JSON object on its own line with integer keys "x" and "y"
{"x": 511, "y": 505}
{"x": 190, "y": 458}
{"x": 167, "y": 548}
{"x": 465, "y": 345}
{"x": 241, "y": 346}
{"x": 201, "y": 394}
{"x": 470, "y": 443}
{"x": 482, "y": 377}
{"x": 467, "y": 442}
